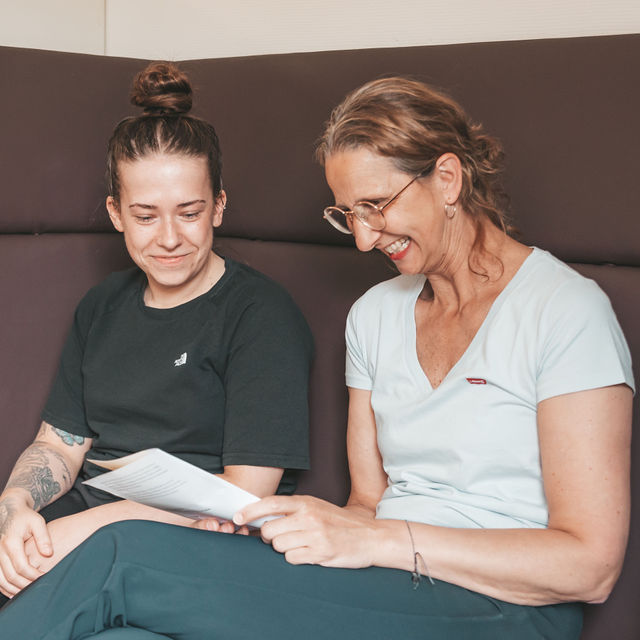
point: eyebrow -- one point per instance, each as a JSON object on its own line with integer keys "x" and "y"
{"x": 191, "y": 203}
{"x": 372, "y": 200}
{"x": 153, "y": 206}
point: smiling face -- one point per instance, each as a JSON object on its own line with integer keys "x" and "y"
{"x": 418, "y": 237}
{"x": 167, "y": 213}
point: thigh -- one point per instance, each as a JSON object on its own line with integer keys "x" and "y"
{"x": 194, "y": 584}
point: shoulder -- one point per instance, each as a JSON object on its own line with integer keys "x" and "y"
{"x": 110, "y": 292}
{"x": 254, "y": 299}
{"x": 579, "y": 339}
{"x": 244, "y": 288}
{"x": 386, "y": 296}
{"x": 383, "y": 309}
{"x": 117, "y": 282}
{"x": 246, "y": 280}
{"x": 396, "y": 288}
{"x": 562, "y": 291}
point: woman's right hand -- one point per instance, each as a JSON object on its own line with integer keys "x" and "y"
{"x": 19, "y": 523}
{"x": 314, "y": 531}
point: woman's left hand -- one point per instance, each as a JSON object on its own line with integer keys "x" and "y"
{"x": 314, "y": 531}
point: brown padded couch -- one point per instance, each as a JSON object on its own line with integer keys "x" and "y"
{"x": 566, "y": 111}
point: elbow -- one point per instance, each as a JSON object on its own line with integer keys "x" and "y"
{"x": 598, "y": 595}
{"x": 600, "y": 592}
{"x": 600, "y": 580}
{"x": 594, "y": 565}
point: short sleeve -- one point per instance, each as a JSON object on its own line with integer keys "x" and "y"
{"x": 582, "y": 345}
{"x": 65, "y": 407}
{"x": 266, "y": 385}
{"x": 356, "y": 371}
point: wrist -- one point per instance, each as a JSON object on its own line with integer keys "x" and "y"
{"x": 419, "y": 565}
{"x": 396, "y": 546}
{"x": 17, "y": 495}
{"x": 390, "y": 544}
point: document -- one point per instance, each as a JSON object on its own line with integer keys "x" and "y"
{"x": 158, "y": 479}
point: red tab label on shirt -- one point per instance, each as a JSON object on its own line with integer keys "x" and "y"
{"x": 476, "y": 381}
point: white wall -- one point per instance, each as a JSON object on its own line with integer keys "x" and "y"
{"x": 61, "y": 25}
{"x": 184, "y": 29}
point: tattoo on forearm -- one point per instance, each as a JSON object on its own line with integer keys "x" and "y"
{"x": 33, "y": 473}
{"x": 68, "y": 438}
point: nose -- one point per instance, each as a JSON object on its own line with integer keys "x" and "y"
{"x": 168, "y": 235}
{"x": 365, "y": 238}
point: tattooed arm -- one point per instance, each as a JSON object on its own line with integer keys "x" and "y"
{"x": 46, "y": 470}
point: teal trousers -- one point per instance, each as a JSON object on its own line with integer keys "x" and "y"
{"x": 142, "y": 580}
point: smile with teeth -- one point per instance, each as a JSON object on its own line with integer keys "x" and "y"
{"x": 397, "y": 246}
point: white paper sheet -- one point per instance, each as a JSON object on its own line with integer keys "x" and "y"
{"x": 159, "y": 479}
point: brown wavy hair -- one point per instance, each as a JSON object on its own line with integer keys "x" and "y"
{"x": 165, "y": 95}
{"x": 412, "y": 124}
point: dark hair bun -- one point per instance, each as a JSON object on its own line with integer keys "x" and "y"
{"x": 162, "y": 89}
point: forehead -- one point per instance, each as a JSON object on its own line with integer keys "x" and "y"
{"x": 357, "y": 174}
{"x": 164, "y": 172}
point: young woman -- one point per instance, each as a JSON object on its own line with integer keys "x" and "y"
{"x": 490, "y": 395}
{"x": 188, "y": 351}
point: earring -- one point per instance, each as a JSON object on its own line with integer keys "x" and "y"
{"x": 450, "y": 210}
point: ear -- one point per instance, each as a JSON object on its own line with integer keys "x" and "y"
{"x": 114, "y": 214}
{"x": 448, "y": 174}
{"x": 219, "y": 206}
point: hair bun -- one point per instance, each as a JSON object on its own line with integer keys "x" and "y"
{"x": 162, "y": 89}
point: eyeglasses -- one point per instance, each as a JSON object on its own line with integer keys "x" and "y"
{"x": 367, "y": 213}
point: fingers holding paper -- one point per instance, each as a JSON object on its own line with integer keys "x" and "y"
{"x": 219, "y": 525}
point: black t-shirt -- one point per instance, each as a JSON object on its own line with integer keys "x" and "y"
{"x": 220, "y": 380}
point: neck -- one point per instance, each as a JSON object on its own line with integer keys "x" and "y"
{"x": 161, "y": 296}
{"x": 465, "y": 276}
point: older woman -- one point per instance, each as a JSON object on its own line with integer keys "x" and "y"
{"x": 488, "y": 434}
{"x": 188, "y": 351}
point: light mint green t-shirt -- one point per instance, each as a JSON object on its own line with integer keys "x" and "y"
{"x": 466, "y": 454}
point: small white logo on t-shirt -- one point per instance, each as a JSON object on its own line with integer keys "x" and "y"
{"x": 181, "y": 360}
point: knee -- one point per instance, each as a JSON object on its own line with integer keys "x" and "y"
{"x": 107, "y": 548}
{"x": 99, "y": 546}
{"x": 127, "y": 534}
{"x": 115, "y": 541}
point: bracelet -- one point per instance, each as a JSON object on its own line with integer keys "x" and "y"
{"x": 415, "y": 574}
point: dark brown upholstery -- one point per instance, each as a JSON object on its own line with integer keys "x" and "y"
{"x": 566, "y": 110}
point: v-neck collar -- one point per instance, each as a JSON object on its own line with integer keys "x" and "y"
{"x": 411, "y": 342}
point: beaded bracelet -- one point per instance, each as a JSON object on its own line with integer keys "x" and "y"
{"x": 415, "y": 574}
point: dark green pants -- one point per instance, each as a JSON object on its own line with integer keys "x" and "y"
{"x": 188, "y": 584}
